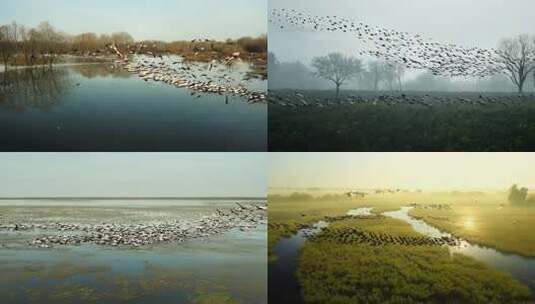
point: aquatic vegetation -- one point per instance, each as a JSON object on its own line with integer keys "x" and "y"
{"x": 215, "y": 298}
{"x": 100, "y": 284}
{"x": 330, "y": 272}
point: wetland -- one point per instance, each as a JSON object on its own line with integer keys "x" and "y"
{"x": 215, "y": 252}
{"x": 381, "y": 249}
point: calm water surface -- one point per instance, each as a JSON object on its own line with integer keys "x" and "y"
{"x": 95, "y": 107}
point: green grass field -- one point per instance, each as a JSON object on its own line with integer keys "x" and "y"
{"x": 402, "y": 127}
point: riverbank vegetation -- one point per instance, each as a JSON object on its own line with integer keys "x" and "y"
{"x": 45, "y": 45}
{"x": 330, "y": 272}
{"x": 485, "y": 218}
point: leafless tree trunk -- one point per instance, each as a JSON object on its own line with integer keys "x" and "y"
{"x": 518, "y": 56}
{"x": 8, "y": 42}
{"x": 400, "y": 71}
{"x": 376, "y": 71}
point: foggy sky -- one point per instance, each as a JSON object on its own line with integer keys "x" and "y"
{"x": 144, "y": 19}
{"x": 133, "y": 174}
{"x": 470, "y": 23}
{"x": 440, "y": 171}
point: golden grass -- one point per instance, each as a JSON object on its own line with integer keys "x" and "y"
{"x": 507, "y": 228}
{"x": 485, "y": 218}
{"x": 330, "y": 272}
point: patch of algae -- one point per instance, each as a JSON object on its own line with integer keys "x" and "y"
{"x": 215, "y": 298}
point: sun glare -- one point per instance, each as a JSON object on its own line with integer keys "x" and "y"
{"x": 469, "y": 223}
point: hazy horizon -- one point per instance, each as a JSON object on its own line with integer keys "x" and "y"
{"x": 108, "y": 175}
{"x": 144, "y": 19}
{"x": 457, "y": 22}
{"x": 431, "y": 171}
{"x": 466, "y": 23}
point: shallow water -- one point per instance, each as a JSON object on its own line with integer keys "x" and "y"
{"x": 282, "y": 281}
{"x": 521, "y": 268}
{"x": 222, "y": 267}
{"x": 96, "y": 107}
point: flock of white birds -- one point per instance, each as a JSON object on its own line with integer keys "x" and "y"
{"x": 199, "y": 77}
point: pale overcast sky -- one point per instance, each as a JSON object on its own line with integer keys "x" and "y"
{"x": 466, "y": 22}
{"x": 144, "y": 19}
{"x": 443, "y": 171}
{"x": 133, "y": 174}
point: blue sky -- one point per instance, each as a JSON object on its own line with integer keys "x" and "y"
{"x": 442, "y": 171}
{"x": 144, "y": 19}
{"x": 133, "y": 174}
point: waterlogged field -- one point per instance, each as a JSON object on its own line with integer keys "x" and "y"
{"x": 419, "y": 122}
{"x": 222, "y": 268}
{"x": 381, "y": 259}
{"x": 501, "y": 226}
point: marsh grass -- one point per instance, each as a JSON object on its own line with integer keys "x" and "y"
{"x": 333, "y": 272}
{"x": 330, "y": 272}
{"x": 505, "y": 227}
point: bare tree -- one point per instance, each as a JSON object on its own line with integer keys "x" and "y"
{"x": 85, "y": 42}
{"x": 518, "y": 55}
{"x": 389, "y": 74}
{"x": 8, "y": 42}
{"x": 399, "y": 70}
{"x": 121, "y": 38}
{"x": 50, "y": 42}
{"x": 376, "y": 73}
{"x": 336, "y": 68}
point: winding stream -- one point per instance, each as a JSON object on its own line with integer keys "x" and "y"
{"x": 521, "y": 268}
{"x": 284, "y": 287}
{"x": 282, "y": 282}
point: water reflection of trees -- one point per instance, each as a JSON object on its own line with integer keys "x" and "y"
{"x": 33, "y": 88}
{"x": 101, "y": 70}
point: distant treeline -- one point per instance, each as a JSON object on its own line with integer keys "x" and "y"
{"x": 376, "y": 75}
{"x": 21, "y": 45}
{"x": 305, "y": 197}
{"x": 519, "y": 195}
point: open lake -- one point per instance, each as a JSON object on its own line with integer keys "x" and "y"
{"x": 98, "y": 107}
